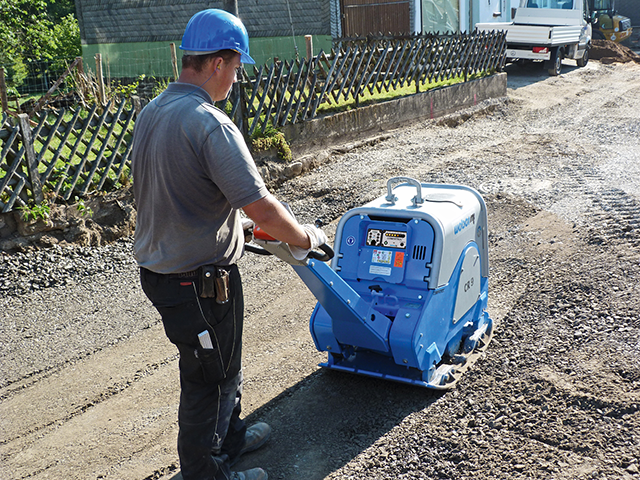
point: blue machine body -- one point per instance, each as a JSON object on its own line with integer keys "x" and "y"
{"x": 405, "y": 297}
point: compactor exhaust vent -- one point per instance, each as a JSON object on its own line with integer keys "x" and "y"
{"x": 419, "y": 252}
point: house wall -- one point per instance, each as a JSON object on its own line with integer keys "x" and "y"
{"x": 133, "y": 36}
{"x": 154, "y": 58}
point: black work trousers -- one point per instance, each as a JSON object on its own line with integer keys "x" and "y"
{"x": 211, "y": 432}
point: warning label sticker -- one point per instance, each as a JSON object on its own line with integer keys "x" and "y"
{"x": 381, "y": 256}
{"x": 399, "y": 259}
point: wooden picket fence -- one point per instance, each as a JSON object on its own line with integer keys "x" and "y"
{"x": 64, "y": 154}
{"x": 291, "y": 92}
{"x": 60, "y": 155}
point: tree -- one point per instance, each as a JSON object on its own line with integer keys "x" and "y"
{"x": 67, "y": 38}
{"x": 36, "y": 30}
{"x": 25, "y": 28}
{"x": 66, "y": 31}
{"x": 59, "y": 9}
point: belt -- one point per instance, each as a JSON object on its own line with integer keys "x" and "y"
{"x": 192, "y": 273}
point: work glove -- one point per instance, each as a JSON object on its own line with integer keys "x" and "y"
{"x": 247, "y": 228}
{"x": 316, "y": 237}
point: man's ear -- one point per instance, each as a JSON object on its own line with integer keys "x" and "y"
{"x": 217, "y": 62}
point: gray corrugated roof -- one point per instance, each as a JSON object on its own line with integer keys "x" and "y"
{"x": 124, "y": 21}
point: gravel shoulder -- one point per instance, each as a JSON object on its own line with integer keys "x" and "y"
{"x": 89, "y": 384}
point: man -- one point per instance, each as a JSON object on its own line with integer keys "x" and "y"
{"x": 192, "y": 174}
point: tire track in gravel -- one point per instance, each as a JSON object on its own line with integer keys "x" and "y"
{"x": 609, "y": 213}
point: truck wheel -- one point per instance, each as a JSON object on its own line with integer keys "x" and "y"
{"x": 584, "y": 60}
{"x": 556, "y": 59}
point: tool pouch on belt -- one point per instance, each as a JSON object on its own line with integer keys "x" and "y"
{"x": 215, "y": 283}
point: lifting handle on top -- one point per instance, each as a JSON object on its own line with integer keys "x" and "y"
{"x": 391, "y": 198}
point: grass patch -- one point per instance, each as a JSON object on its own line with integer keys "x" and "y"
{"x": 384, "y": 96}
{"x": 271, "y": 138}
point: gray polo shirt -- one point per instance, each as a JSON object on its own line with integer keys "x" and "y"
{"x": 192, "y": 171}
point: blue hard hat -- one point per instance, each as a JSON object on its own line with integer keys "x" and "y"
{"x": 212, "y": 30}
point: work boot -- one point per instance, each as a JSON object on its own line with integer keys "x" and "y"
{"x": 255, "y": 437}
{"x": 253, "y": 474}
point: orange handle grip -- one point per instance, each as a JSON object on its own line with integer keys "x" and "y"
{"x": 262, "y": 235}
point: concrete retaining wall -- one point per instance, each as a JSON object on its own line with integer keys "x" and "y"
{"x": 371, "y": 119}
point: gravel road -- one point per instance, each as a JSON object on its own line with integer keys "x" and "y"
{"x": 89, "y": 385}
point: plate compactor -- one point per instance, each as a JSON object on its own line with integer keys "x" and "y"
{"x": 405, "y": 296}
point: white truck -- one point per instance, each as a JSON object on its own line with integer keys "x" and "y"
{"x": 548, "y": 31}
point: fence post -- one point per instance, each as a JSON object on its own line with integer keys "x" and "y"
{"x": 230, "y": 6}
{"x": 30, "y": 155}
{"x": 99, "y": 78}
{"x": 244, "y": 111}
{"x": 174, "y": 61}
{"x": 3, "y": 92}
{"x": 80, "y": 65}
{"x": 137, "y": 106}
{"x": 309, "y": 42}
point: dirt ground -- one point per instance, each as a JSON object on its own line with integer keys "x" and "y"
{"x": 89, "y": 388}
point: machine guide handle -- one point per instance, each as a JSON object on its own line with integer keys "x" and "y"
{"x": 323, "y": 257}
{"x": 391, "y": 198}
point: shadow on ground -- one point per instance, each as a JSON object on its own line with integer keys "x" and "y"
{"x": 522, "y": 75}
{"x": 326, "y": 420}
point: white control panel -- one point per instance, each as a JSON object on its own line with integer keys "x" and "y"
{"x": 386, "y": 238}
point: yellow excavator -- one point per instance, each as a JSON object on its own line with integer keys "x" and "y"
{"x": 606, "y": 23}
